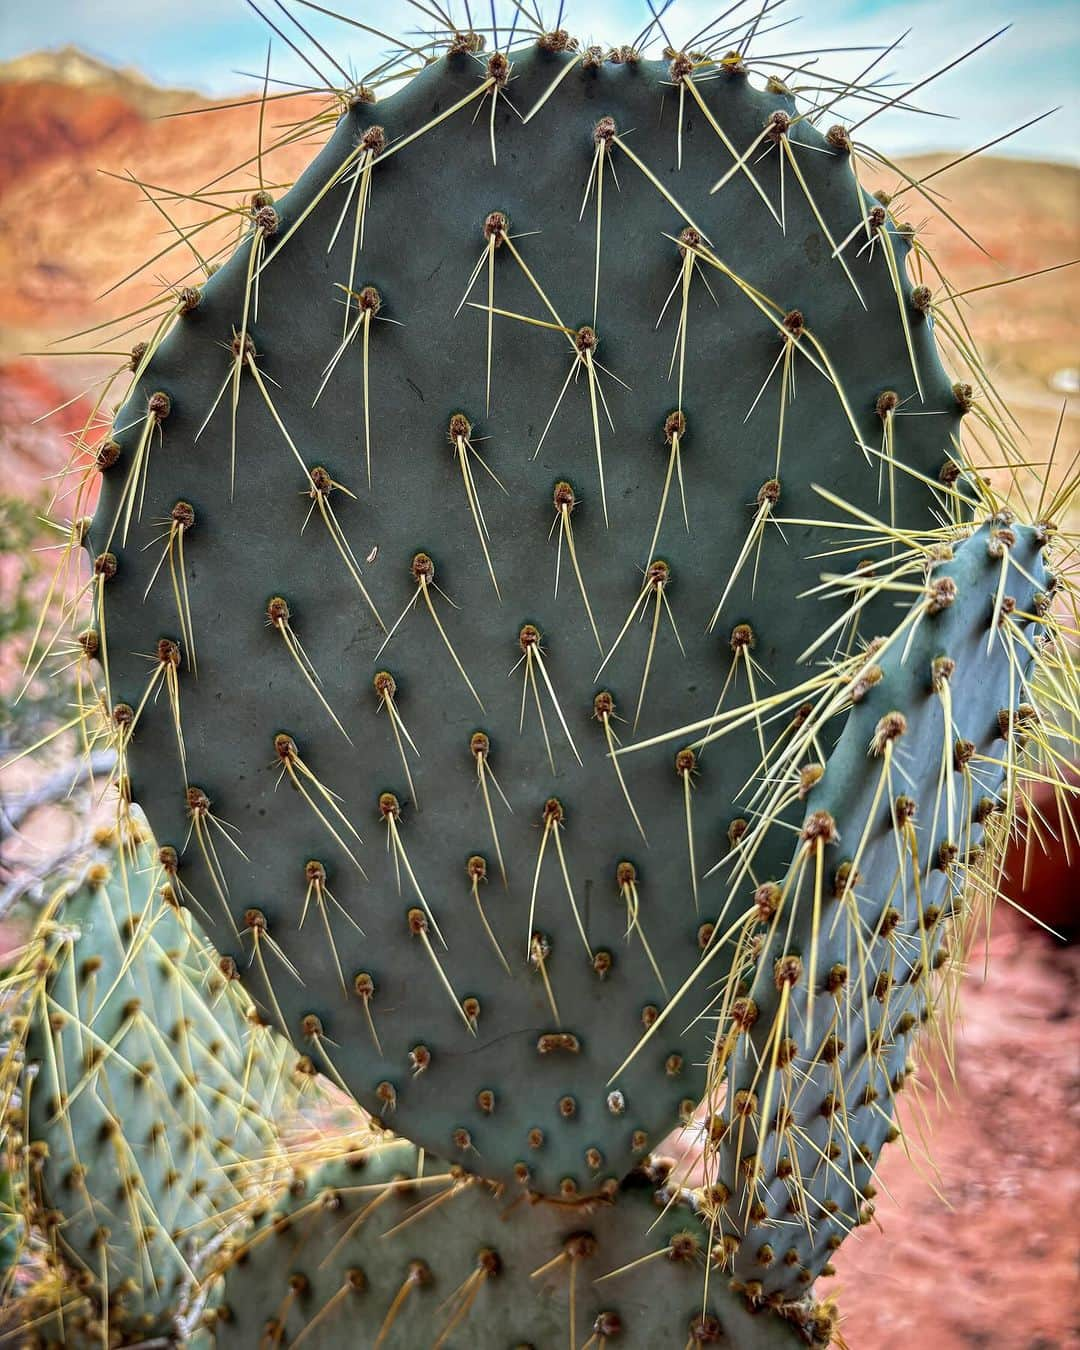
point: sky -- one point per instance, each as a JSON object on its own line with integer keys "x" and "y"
{"x": 218, "y": 46}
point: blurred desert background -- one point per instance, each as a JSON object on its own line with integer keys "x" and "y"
{"x": 982, "y": 1242}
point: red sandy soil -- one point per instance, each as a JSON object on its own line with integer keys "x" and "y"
{"x": 991, "y": 1265}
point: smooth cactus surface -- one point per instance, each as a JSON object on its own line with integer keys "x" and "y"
{"x": 145, "y": 1100}
{"x": 394, "y": 716}
{"x": 389, "y": 1249}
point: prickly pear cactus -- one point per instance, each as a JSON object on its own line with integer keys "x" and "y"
{"x": 542, "y": 600}
{"x": 471, "y": 487}
{"x": 392, "y": 1250}
{"x": 146, "y": 1098}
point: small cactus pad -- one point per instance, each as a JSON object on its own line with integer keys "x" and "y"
{"x": 852, "y": 951}
{"x": 145, "y": 1096}
{"x": 426, "y": 387}
{"x": 367, "y": 1253}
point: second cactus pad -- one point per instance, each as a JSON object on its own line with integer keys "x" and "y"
{"x": 384, "y": 1250}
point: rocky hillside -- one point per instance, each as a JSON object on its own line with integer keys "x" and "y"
{"x": 57, "y": 104}
{"x": 72, "y": 68}
{"x": 68, "y": 228}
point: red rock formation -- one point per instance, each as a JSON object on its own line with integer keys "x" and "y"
{"x": 45, "y": 122}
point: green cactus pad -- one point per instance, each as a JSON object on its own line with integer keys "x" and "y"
{"x": 363, "y": 1253}
{"x": 856, "y": 944}
{"x": 308, "y": 729}
{"x": 146, "y": 1099}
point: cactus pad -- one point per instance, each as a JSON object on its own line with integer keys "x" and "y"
{"x": 857, "y": 948}
{"x": 425, "y": 386}
{"x": 145, "y": 1098}
{"x": 362, "y": 1252}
